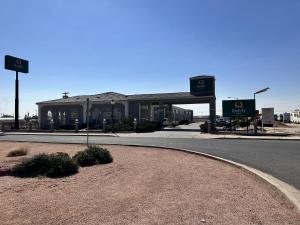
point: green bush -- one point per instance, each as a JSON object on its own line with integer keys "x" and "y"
{"x": 18, "y": 152}
{"x": 238, "y": 123}
{"x": 119, "y": 127}
{"x": 61, "y": 165}
{"x": 125, "y": 124}
{"x": 53, "y": 165}
{"x": 93, "y": 155}
{"x": 148, "y": 126}
{"x": 244, "y": 123}
{"x": 204, "y": 127}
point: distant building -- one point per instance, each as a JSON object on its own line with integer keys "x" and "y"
{"x": 286, "y": 117}
{"x": 9, "y": 123}
{"x": 295, "y": 116}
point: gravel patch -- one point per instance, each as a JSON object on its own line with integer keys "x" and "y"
{"x": 141, "y": 186}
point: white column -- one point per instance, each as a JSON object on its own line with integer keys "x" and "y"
{"x": 40, "y": 115}
{"x": 85, "y": 109}
{"x": 126, "y": 108}
{"x": 84, "y": 112}
{"x": 152, "y": 112}
{"x": 139, "y": 111}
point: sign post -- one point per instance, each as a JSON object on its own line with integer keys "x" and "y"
{"x": 17, "y": 102}
{"x": 18, "y": 65}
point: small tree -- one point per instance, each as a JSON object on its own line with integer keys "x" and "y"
{"x": 6, "y": 116}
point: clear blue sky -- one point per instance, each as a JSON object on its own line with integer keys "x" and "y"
{"x": 135, "y": 46}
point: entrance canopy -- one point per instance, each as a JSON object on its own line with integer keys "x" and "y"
{"x": 173, "y": 98}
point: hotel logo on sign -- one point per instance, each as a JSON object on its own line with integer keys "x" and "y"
{"x": 239, "y": 105}
{"x": 201, "y": 84}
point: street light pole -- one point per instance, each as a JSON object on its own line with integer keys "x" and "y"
{"x": 260, "y": 91}
{"x": 254, "y": 96}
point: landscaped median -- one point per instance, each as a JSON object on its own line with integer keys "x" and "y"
{"x": 141, "y": 186}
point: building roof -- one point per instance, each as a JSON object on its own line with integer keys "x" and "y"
{"x": 158, "y": 96}
{"x": 202, "y": 76}
{"x": 108, "y": 96}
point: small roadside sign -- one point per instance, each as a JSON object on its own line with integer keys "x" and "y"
{"x": 267, "y": 115}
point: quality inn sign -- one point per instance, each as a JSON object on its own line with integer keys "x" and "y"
{"x": 202, "y": 85}
{"x": 239, "y": 108}
{"x": 16, "y": 64}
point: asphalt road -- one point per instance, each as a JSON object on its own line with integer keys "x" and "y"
{"x": 281, "y": 159}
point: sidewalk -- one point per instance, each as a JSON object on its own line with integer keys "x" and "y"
{"x": 61, "y": 134}
{"x": 162, "y": 134}
{"x": 198, "y": 135}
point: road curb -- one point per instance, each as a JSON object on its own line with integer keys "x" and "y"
{"x": 111, "y": 135}
{"x": 262, "y": 139}
{"x": 63, "y": 134}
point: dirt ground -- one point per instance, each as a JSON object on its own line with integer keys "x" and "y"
{"x": 141, "y": 186}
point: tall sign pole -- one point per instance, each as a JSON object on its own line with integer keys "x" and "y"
{"x": 18, "y": 65}
{"x": 17, "y": 102}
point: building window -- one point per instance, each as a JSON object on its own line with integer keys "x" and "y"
{"x": 145, "y": 112}
{"x": 62, "y": 118}
{"x": 49, "y": 115}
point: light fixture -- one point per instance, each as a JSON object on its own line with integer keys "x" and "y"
{"x": 234, "y": 98}
{"x": 261, "y": 91}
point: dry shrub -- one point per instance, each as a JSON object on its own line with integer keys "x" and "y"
{"x": 18, "y": 152}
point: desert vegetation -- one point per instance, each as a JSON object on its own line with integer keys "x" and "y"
{"x": 18, "y": 152}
